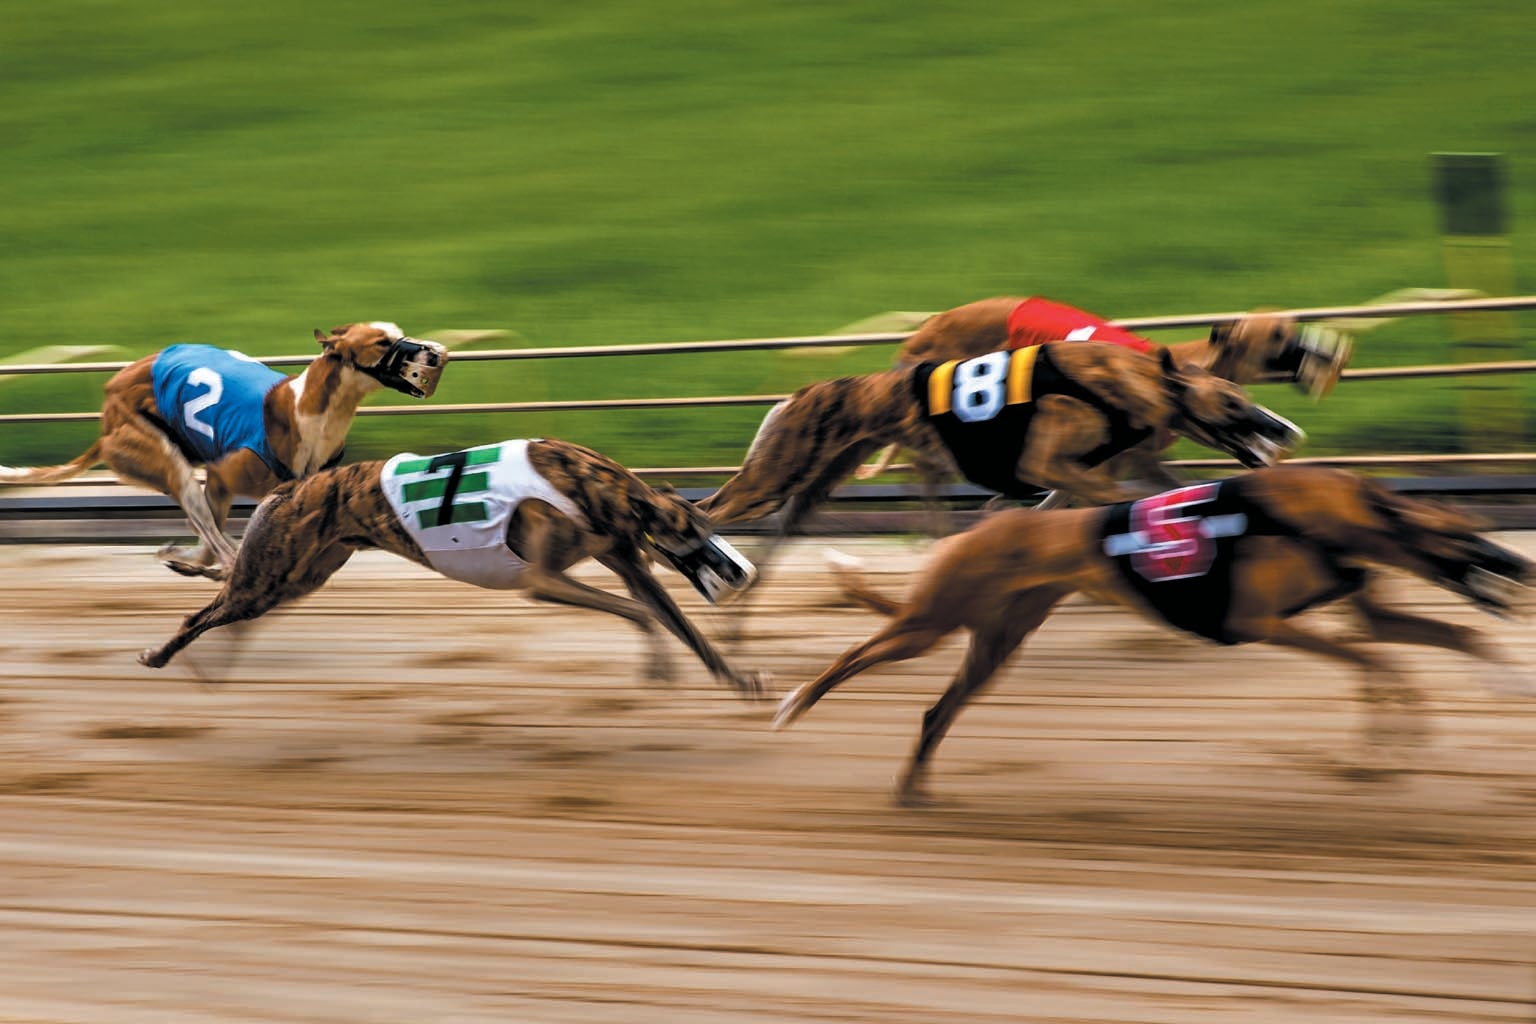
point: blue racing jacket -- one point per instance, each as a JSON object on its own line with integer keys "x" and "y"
{"x": 212, "y": 399}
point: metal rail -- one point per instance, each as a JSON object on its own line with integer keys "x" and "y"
{"x": 842, "y": 340}
{"x": 726, "y": 401}
{"x": 27, "y": 516}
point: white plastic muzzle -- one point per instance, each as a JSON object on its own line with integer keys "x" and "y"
{"x": 1324, "y": 354}
{"x": 716, "y": 569}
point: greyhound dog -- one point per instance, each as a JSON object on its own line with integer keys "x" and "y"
{"x": 1047, "y": 416}
{"x": 1231, "y": 561}
{"x": 510, "y": 516}
{"x": 1258, "y": 348}
{"x": 250, "y": 426}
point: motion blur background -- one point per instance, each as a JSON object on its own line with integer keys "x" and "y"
{"x": 620, "y": 172}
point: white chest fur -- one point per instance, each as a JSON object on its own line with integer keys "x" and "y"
{"x": 320, "y": 434}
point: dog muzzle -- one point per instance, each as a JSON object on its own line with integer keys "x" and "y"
{"x": 1494, "y": 579}
{"x": 716, "y": 569}
{"x": 411, "y": 367}
{"x": 1267, "y": 439}
{"x": 1314, "y": 359}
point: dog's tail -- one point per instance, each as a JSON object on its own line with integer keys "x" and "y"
{"x": 52, "y": 474}
{"x": 849, "y": 573}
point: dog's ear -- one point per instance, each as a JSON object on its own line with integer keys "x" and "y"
{"x": 327, "y": 341}
{"x": 1175, "y": 380}
{"x": 1221, "y": 335}
{"x": 1173, "y": 373}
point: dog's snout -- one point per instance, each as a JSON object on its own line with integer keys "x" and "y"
{"x": 1280, "y": 430}
{"x": 1501, "y": 561}
{"x": 431, "y": 352}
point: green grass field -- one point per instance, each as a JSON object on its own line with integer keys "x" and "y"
{"x": 621, "y": 172}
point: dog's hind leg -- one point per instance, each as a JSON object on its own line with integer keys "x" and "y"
{"x": 901, "y": 639}
{"x": 249, "y": 595}
{"x": 139, "y": 452}
{"x": 990, "y": 647}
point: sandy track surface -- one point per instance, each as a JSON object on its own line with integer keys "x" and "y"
{"x": 418, "y": 802}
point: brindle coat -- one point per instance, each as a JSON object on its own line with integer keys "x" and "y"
{"x": 1241, "y": 352}
{"x": 812, "y": 441}
{"x": 306, "y": 422}
{"x": 1003, "y": 578}
{"x": 305, "y": 530}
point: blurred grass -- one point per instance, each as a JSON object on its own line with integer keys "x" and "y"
{"x": 621, "y": 172}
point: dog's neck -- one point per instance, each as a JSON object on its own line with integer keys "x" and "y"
{"x": 319, "y": 404}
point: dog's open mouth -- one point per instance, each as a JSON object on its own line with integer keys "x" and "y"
{"x": 1270, "y": 439}
{"x": 1499, "y": 595}
{"x": 1496, "y": 580}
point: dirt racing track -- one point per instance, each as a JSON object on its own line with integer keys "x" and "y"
{"x": 418, "y": 802}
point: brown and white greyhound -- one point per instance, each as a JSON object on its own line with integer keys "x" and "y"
{"x": 511, "y": 516}
{"x": 1233, "y": 561}
{"x": 250, "y": 426}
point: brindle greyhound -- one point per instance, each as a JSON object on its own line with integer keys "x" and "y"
{"x": 513, "y": 515}
{"x": 1260, "y": 347}
{"x": 250, "y": 426}
{"x": 1233, "y": 562}
{"x": 1047, "y": 416}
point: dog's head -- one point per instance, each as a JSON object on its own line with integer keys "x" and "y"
{"x": 1266, "y": 346}
{"x": 1248, "y": 345}
{"x": 683, "y": 535}
{"x": 1218, "y": 414}
{"x": 1443, "y": 544}
{"x": 382, "y": 351}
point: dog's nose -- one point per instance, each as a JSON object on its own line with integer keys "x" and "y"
{"x": 1285, "y": 434}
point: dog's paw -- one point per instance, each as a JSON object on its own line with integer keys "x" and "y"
{"x": 841, "y": 561}
{"x": 149, "y": 658}
{"x": 196, "y": 569}
{"x": 791, "y": 707}
{"x": 754, "y": 685}
{"x": 846, "y": 569}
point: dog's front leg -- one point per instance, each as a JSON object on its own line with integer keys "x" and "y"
{"x": 1062, "y": 431}
{"x": 1143, "y": 463}
{"x": 1503, "y": 673}
{"x": 241, "y": 472}
{"x": 1394, "y": 705}
{"x": 279, "y": 565}
{"x": 637, "y": 577}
